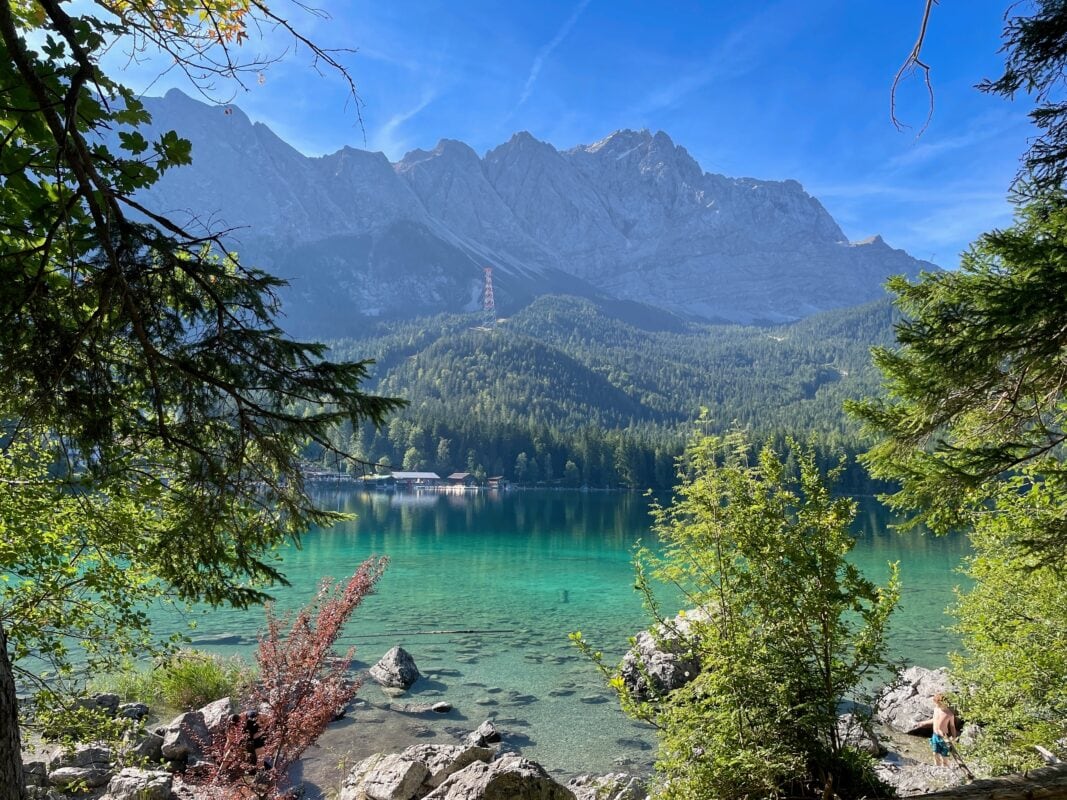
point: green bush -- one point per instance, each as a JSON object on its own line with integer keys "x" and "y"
{"x": 186, "y": 680}
{"x": 788, "y": 629}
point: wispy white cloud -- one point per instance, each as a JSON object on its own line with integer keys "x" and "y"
{"x": 546, "y": 51}
{"x": 986, "y": 128}
{"x": 743, "y": 48}
{"x": 387, "y": 138}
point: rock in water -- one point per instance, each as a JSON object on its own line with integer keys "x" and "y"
{"x": 484, "y": 735}
{"x": 396, "y": 669}
{"x": 660, "y": 660}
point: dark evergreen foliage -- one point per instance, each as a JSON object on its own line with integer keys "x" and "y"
{"x": 565, "y": 380}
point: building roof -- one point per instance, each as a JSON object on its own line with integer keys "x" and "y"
{"x": 416, "y": 476}
{"x": 459, "y": 476}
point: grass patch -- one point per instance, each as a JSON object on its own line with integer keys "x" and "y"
{"x": 186, "y": 680}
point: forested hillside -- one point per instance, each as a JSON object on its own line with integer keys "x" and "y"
{"x": 567, "y": 393}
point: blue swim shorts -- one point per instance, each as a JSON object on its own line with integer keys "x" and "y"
{"x": 940, "y": 745}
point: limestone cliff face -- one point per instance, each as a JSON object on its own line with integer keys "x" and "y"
{"x": 631, "y": 217}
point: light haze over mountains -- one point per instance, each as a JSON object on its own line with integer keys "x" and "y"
{"x": 630, "y": 218}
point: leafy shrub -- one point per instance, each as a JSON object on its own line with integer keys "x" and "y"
{"x": 185, "y": 680}
{"x": 788, "y": 628}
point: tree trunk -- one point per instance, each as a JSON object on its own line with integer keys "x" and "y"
{"x": 11, "y": 787}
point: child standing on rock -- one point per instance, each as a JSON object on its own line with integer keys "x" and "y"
{"x": 944, "y": 724}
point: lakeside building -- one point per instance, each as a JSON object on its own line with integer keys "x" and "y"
{"x": 416, "y": 480}
{"x": 462, "y": 480}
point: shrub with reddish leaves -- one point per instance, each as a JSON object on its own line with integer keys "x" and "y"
{"x": 301, "y": 688}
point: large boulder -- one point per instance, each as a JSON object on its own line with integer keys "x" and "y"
{"x": 139, "y": 784}
{"x": 396, "y": 669}
{"x": 384, "y": 777}
{"x": 105, "y": 702}
{"x": 443, "y": 760}
{"x": 186, "y": 736}
{"x": 142, "y": 748}
{"x": 217, "y": 714}
{"x": 88, "y": 765}
{"x": 907, "y": 704}
{"x": 613, "y": 786}
{"x": 509, "y": 778}
{"x": 661, "y": 659}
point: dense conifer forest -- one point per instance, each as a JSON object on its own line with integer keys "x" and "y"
{"x": 571, "y": 393}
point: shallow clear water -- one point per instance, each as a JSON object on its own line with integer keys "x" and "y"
{"x": 520, "y": 570}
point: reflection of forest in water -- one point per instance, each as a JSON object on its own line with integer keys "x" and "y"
{"x": 536, "y": 530}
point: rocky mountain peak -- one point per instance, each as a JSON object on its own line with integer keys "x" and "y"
{"x": 631, "y": 216}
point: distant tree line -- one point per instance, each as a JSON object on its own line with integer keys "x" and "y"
{"x": 564, "y": 394}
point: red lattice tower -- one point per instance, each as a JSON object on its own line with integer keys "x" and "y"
{"x": 488, "y": 302}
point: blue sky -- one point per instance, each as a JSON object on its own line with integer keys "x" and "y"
{"x": 774, "y": 90}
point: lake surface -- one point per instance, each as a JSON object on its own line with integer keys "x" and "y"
{"x": 518, "y": 571}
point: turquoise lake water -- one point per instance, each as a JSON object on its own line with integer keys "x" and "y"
{"x": 523, "y": 569}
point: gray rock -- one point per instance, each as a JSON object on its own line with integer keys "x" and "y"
{"x": 91, "y": 777}
{"x": 34, "y": 773}
{"x": 139, "y": 784}
{"x": 509, "y": 778}
{"x": 660, "y": 660}
{"x": 184, "y": 737}
{"x": 441, "y": 708}
{"x": 384, "y": 777}
{"x": 144, "y": 748}
{"x": 134, "y": 711}
{"x": 613, "y": 786}
{"x": 84, "y": 755}
{"x": 911, "y": 778}
{"x": 104, "y": 701}
{"x": 442, "y": 760}
{"x": 908, "y": 702}
{"x": 218, "y": 713}
{"x": 396, "y": 669}
{"x": 485, "y": 734}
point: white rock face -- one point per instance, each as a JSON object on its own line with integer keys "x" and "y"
{"x": 384, "y": 777}
{"x": 632, "y": 216}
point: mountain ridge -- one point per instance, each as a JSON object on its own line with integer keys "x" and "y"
{"x": 631, "y": 217}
